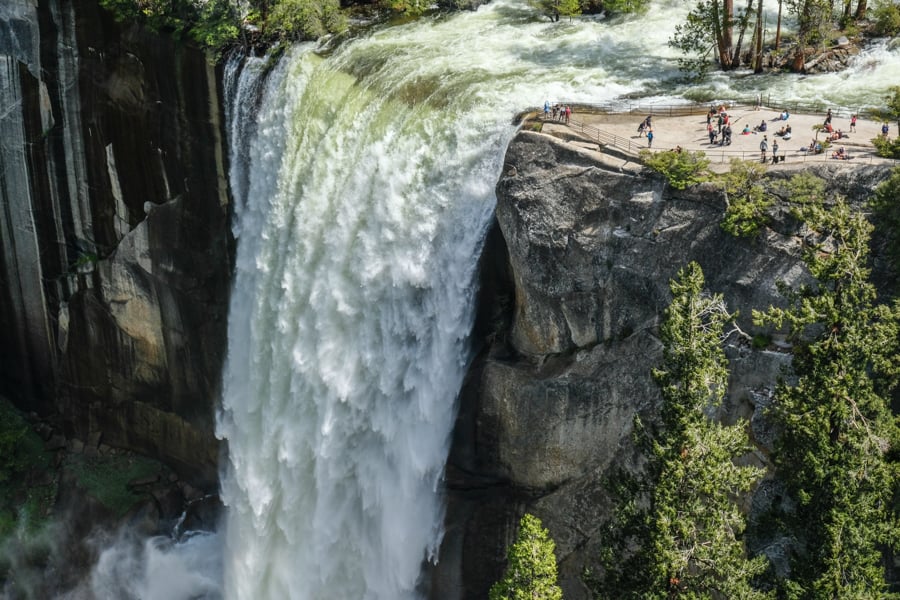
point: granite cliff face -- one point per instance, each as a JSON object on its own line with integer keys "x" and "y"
{"x": 571, "y": 322}
{"x": 116, "y": 249}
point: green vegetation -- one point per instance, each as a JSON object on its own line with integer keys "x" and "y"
{"x": 886, "y": 147}
{"x": 625, "y": 7}
{"x": 694, "y": 522}
{"x": 837, "y": 451}
{"x": 681, "y": 169}
{"x": 531, "y": 566}
{"x": 716, "y": 32}
{"x": 106, "y": 478}
{"x": 216, "y": 24}
{"x": 554, "y": 9}
{"x": 306, "y": 19}
{"x": 886, "y": 209}
{"x": 709, "y": 30}
{"x": 886, "y": 15}
{"x": 27, "y": 487}
{"x": 690, "y": 543}
{"x": 746, "y": 199}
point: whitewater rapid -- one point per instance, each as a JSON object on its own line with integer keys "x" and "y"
{"x": 363, "y": 182}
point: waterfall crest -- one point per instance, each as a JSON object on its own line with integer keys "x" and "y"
{"x": 351, "y": 305}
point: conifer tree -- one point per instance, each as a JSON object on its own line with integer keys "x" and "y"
{"x": 695, "y": 526}
{"x": 834, "y": 452}
{"x": 531, "y": 568}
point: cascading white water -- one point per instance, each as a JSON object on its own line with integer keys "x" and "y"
{"x": 363, "y": 184}
{"x": 360, "y": 209}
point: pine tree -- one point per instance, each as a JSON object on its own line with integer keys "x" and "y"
{"x": 837, "y": 428}
{"x": 531, "y": 567}
{"x": 694, "y": 524}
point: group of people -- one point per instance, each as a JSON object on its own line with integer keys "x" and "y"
{"x": 719, "y": 122}
{"x": 646, "y": 126}
{"x": 784, "y": 132}
{"x": 721, "y": 128}
{"x": 764, "y": 148}
{"x": 557, "y": 112}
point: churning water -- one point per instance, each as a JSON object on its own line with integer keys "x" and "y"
{"x": 363, "y": 183}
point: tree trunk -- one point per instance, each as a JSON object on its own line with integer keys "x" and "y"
{"x": 845, "y": 17}
{"x": 861, "y": 10}
{"x": 724, "y": 53}
{"x": 727, "y": 31}
{"x": 759, "y": 41}
{"x": 778, "y": 27}
{"x": 745, "y": 20}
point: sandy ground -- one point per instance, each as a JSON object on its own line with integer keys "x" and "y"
{"x": 690, "y": 133}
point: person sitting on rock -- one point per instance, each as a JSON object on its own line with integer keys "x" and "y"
{"x": 841, "y": 154}
{"x": 746, "y": 130}
{"x": 761, "y": 127}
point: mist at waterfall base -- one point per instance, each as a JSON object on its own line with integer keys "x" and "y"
{"x": 363, "y": 183}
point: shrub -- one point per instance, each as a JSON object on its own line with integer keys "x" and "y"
{"x": 887, "y": 18}
{"x": 681, "y": 169}
{"x": 886, "y": 147}
{"x": 305, "y": 19}
{"x": 747, "y": 201}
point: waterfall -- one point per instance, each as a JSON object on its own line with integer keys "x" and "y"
{"x": 351, "y": 306}
{"x": 363, "y": 183}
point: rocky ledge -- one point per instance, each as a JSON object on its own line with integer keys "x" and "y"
{"x": 575, "y": 278}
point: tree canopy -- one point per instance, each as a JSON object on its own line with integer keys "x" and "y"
{"x": 531, "y": 565}
{"x": 835, "y": 452}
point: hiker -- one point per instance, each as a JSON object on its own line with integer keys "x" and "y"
{"x": 649, "y": 138}
{"x": 641, "y": 126}
{"x": 764, "y": 147}
{"x": 774, "y": 151}
{"x": 712, "y": 132}
{"x": 885, "y": 130}
{"x": 568, "y": 113}
{"x": 546, "y": 109}
{"x": 853, "y": 124}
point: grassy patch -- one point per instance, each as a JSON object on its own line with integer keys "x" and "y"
{"x": 28, "y": 482}
{"x": 106, "y": 478}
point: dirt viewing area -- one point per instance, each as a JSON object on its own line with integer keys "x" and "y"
{"x": 617, "y": 133}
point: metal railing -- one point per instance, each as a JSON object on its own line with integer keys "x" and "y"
{"x": 714, "y": 154}
{"x": 701, "y": 108}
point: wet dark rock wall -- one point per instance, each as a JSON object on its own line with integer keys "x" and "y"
{"x": 116, "y": 250}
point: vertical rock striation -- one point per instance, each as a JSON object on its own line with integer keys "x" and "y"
{"x": 115, "y": 249}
